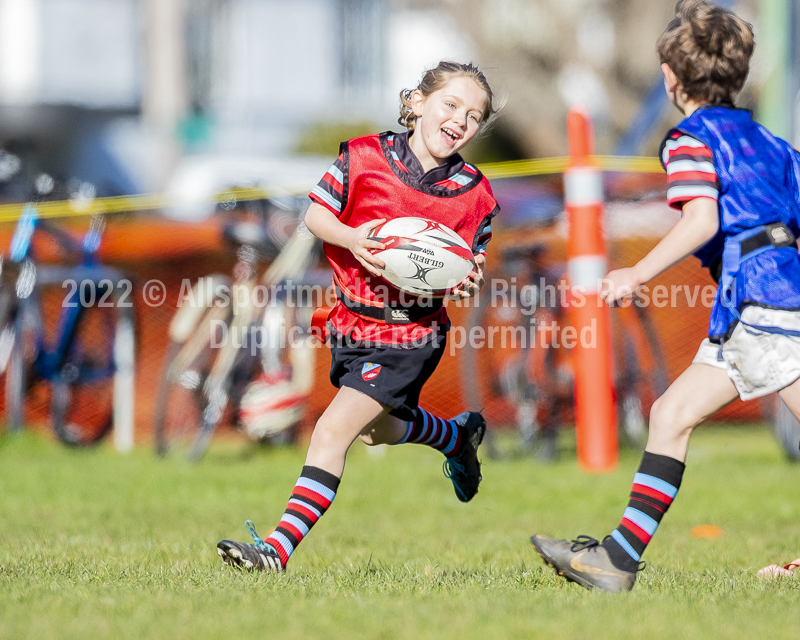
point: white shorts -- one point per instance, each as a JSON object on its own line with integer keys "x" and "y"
{"x": 758, "y": 363}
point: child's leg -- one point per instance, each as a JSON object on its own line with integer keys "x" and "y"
{"x": 611, "y": 566}
{"x": 349, "y": 413}
{"x": 699, "y": 392}
{"x": 427, "y": 429}
{"x": 458, "y": 439}
{"x": 346, "y": 417}
{"x": 385, "y": 430}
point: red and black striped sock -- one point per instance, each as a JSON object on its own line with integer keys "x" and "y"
{"x": 311, "y": 497}
{"x": 443, "y": 435}
{"x": 655, "y": 486}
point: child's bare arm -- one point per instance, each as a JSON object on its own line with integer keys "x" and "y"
{"x": 699, "y": 223}
{"x": 327, "y": 227}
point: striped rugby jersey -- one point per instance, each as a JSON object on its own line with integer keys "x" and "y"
{"x": 690, "y": 170}
{"x": 331, "y": 191}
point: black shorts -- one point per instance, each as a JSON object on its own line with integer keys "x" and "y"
{"x": 392, "y": 376}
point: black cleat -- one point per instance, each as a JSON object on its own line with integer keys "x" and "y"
{"x": 584, "y": 561}
{"x": 258, "y": 556}
{"x": 464, "y": 469}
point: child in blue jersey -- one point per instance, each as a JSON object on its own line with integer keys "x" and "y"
{"x": 737, "y": 186}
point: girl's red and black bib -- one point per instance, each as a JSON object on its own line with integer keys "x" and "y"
{"x": 377, "y": 188}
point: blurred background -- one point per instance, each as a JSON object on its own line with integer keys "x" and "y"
{"x": 127, "y": 94}
{"x": 190, "y": 99}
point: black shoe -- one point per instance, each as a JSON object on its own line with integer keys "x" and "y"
{"x": 258, "y": 556}
{"x": 584, "y": 561}
{"x": 464, "y": 469}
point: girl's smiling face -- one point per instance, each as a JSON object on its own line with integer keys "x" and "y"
{"x": 447, "y": 120}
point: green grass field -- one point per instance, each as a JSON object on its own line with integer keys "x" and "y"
{"x": 93, "y": 544}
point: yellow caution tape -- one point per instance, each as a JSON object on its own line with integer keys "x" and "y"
{"x": 155, "y": 201}
{"x": 119, "y": 204}
{"x": 544, "y": 166}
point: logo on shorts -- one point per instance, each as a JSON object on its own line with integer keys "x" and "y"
{"x": 370, "y": 370}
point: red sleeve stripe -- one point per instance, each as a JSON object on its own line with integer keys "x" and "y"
{"x": 683, "y": 145}
{"x": 704, "y": 152}
{"x": 329, "y": 191}
{"x": 701, "y": 177}
{"x": 677, "y": 166}
{"x": 690, "y": 170}
{"x": 336, "y": 184}
{"x": 320, "y": 197}
{"x": 679, "y": 195}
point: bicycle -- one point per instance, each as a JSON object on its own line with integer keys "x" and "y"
{"x": 208, "y": 380}
{"x": 529, "y": 384}
{"x": 86, "y": 355}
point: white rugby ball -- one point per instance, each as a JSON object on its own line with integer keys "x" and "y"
{"x": 422, "y": 256}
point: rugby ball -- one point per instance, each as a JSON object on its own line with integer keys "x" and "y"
{"x": 422, "y": 256}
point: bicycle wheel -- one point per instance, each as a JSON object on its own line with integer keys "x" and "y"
{"x": 786, "y": 429}
{"x": 190, "y": 401}
{"x": 82, "y": 406}
{"x": 519, "y": 379}
{"x": 272, "y": 396}
{"x": 7, "y": 313}
{"x": 21, "y": 338}
{"x": 640, "y": 370}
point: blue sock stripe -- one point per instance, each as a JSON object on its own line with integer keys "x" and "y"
{"x": 405, "y": 438}
{"x": 655, "y": 483}
{"x": 288, "y": 547}
{"x": 441, "y": 440}
{"x": 425, "y": 426}
{"x": 453, "y": 439}
{"x": 641, "y": 519}
{"x": 317, "y": 487}
{"x": 297, "y": 523}
{"x": 620, "y": 539}
{"x": 305, "y": 505}
{"x": 434, "y": 431}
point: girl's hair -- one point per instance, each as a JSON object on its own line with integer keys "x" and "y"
{"x": 708, "y": 49}
{"x": 436, "y": 78}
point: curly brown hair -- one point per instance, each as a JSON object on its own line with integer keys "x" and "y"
{"x": 708, "y": 49}
{"x": 436, "y": 78}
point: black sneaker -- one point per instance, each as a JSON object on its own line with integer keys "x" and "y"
{"x": 258, "y": 556}
{"x": 464, "y": 469}
{"x": 585, "y": 561}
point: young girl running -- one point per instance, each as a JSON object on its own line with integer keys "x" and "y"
{"x": 738, "y": 188}
{"x": 381, "y": 359}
